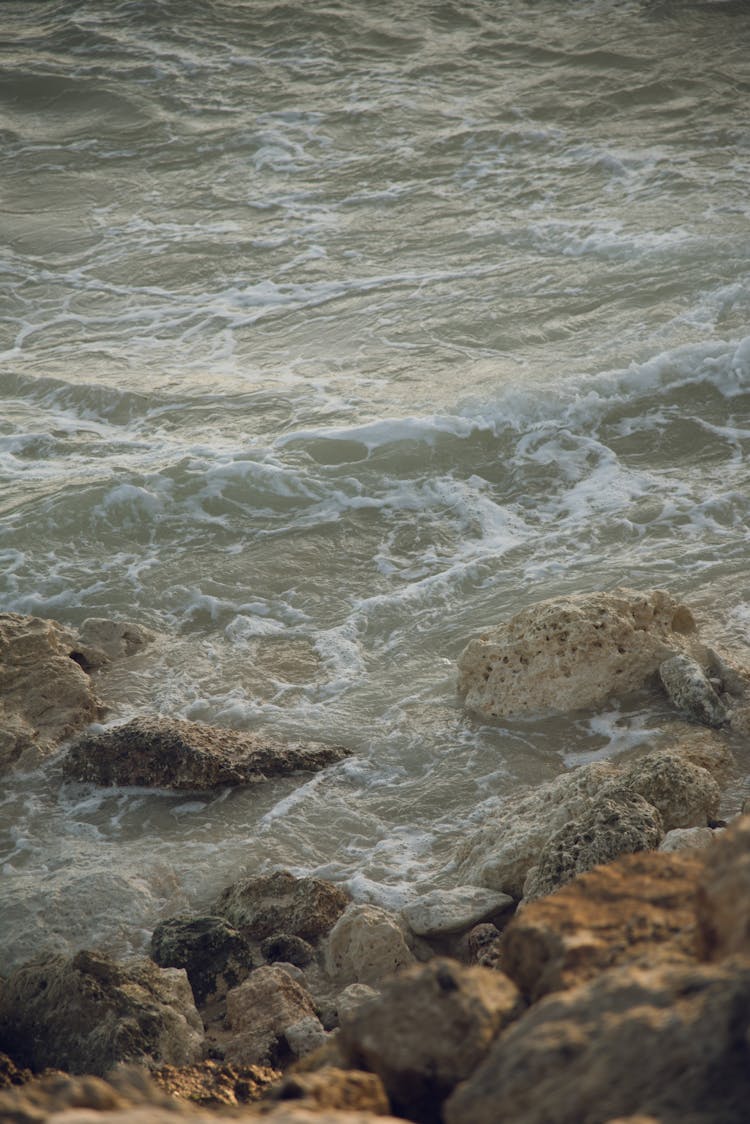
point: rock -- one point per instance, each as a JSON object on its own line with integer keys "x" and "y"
{"x": 352, "y": 998}
{"x": 216, "y": 1083}
{"x": 215, "y": 956}
{"x": 687, "y": 839}
{"x": 171, "y": 753}
{"x": 689, "y": 689}
{"x": 334, "y": 1088}
{"x": 685, "y": 794}
{"x": 428, "y": 1030}
{"x": 708, "y": 750}
{"x": 305, "y": 1036}
{"x": 366, "y": 945}
{"x": 723, "y": 895}
{"x": 482, "y": 945}
{"x": 292, "y": 950}
{"x": 113, "y": 639}
{"x": 449, "y": 911}
{"x": 261, "y": 1011}
{"x": 667, "y": 1042}
{"x": 280, "y": 903}
{"x": 575, "y": 651}
{"x": 86, "y": 1013}
{"x": 11, "y": 1074}
{"x": 618, "y": 823}
{"x": 46, "y": 693}
{"x": 638, "y": 909}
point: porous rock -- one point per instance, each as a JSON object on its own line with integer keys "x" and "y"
{"x": 366, "y": 945}
{"x": 617, "y": 823}
{"x": 216, "y": 1083}
{"x": 449, "y": 911}
{"x": 638, "y": 909}
{"x": 175, "y": 754}
{"x": 287, "y": 948}
{"x": 280, "y": 903}
{"x": 575, "y": 651}
{"x": 685, "y": 794}
{"x": 334, "y": 1088}
{"x": 723, "y": 896}
{"x": 87, "y": 1013}
{"x": 429, "y": 1029}
{"x": 113, "y": 639}
{"x": 668, "y": 1042}
{"x": 261, "y": 1012}
{"x": 215, "y": 955}
{"x": 689, "y": 688}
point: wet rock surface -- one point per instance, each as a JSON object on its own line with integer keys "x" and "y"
{"x": 691, "y": 691}
{"x": 442, "y": 912}
{"x": 215, "y": 955}
{"x": 279, "y": 903}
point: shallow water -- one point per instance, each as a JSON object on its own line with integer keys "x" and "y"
{"x": 330, "y": 335}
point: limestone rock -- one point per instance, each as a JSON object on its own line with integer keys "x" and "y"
{"x": 280, "y": 903}
{"x": 215, "y": 956}
{"x": 687, "y": 839}
{"x": 86, "y": 1013}
{"x": 449, "y": 911}
{"x": 668, "y": 1042}
{"x": 575, "y": 651}
{"x": 685, "y": 794}
{"x": 333, "y": 1088}
{"x": 172, "y": 753}
{"x": 352, "y": 998}
{"x": 723, "y": 898}
{"x": 216, "y": 1083}
{"x": 46, "y": 694}
{"x": 638, "y": 909}
{"x": 618, "y": 823}
{"x": 261, "y": 1011}
{"x": 289, "y": 949}
{"x": 113, "y": 639}
{"x": 690, "y": 690}
{"x": 428, "y": 1030}
{"x": 366, "y": 945}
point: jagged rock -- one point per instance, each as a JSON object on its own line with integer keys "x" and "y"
{"x": 690, "y": 690}
{"x": 216, "y": 1083}
{"x": 86, "y": 1013}
{"x": 172, "y": 753}
{"x": 682, "y": 839}
{"x": 46, "y": 694}
{"x": 618, "y": 823}
{"x": 667, "y": 1042}
{"x": 215, "y": 956}
{"x": 723, "y": 897}
{"x": 280, "y": 903}
{"x": 449, "y": 911}
{"x": 429, "y": 1029}
{"x": 685, "y": 794}
{"x": 366, "y": 945}
{"x": 334, "y": 1088}
{"x": 574, "y": 651}
{"x": 638, "y": 909}
{"x": 264, "y": 1014}
{"x": 291, "y": 950}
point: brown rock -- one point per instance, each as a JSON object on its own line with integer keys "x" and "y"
{"x": 684, "y": 793}
{"x": 366, "y": 945}
{"x": 216, "y": 1083}
{"x": 330, "y": 1087}
{"x": 280, "y": 903}
{"x": 172, "y": 753}
{"x": 723, "y": 897}
{"x": 11, "y": 1074}
{"x": 638, "y": 909}
{"x": 271, "y": 1018}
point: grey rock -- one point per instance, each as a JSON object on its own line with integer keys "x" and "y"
{"x": 280, "y": 903}
{"x": 449, "y": 911}
{"x": 690, "y": 690}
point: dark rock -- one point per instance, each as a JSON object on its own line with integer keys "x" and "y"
{"x": 280, "y": 903}
{"x": 215, "y": 956}
{"x": 290, "y": 950}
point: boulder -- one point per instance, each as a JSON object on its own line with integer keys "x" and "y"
{"x": 617, "y": 823}
{"x": 429, "y": 1029}
{"x": 441, "y": 912}
{"x": 638, "y": 909}
{"x": 691, "y": 691}
{"x": 723, "y": 895}
{"x": 272, "y": 1020}
{"x": 215, "y": 956}
{"x": 366, "y": 945}
{"x": 86, "y": 1013}
{"x": 333, "y": 1088}
{"x": 686, "y": 839}
{"x": 575, "y": 651}
{"x": 172, "y": 753}
{"x": 352, "y": 998}
{"x": 112, "y": 640}
{"x": 216, "y": 1083}
{"x": 288, "y": 949}
{"x": 685, "y": 794}
{"x": 668, "y": 1042}
{"x": 280, "y": 903}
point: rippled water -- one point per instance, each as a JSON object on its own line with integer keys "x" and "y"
{"x": 329, "y": 335}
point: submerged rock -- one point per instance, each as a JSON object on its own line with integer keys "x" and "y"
{"x": 366, "y": 945}
{"x": 277, "y": 903}
{"x": 215, "y": 956}
{"x": 176, "y": 754}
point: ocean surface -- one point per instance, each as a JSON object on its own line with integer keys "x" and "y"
{"x": 331, "y": 334}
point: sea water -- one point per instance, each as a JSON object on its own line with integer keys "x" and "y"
{"x": 331, "y": 334}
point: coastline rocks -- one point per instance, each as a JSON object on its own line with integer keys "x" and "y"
{"x": 85, "y": 1014}
{"x": 113, "y": 640}
{"x": 279, "y": 903}
{"x": 214, "y": 1083}
{"x": 429, "y": 1029}
{"x": 575, "y": 651}
{"x": 175, "y": 754}
{"x": 691, "y": 691}
{"x": 723, "y": 898}
{"x": 272, "y": 1020}
{"x": 687, "y": 839}
{"x": 442, "y": 912}
{"x": 287, "y": 949}
{"x": 685, "y": 794}
{"x": 215, "y": 956}
{"x": 366, "y": 945}
{"x": 333, "y": 1088}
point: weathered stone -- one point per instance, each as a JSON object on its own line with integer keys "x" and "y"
{"x": 429, "y": 1029}
{"x": 685, "y": 794}
{"x": 690, "y": 690}
{"x": 638, "y": 909}
{"x": 482, "y": 945}
{"x": 292, "y": 950}
{"x": 723, "y": 897}
{"x": 172, "y": 753}
{"x": 260, "y": 1012}
{"x": 576, "y": 651}
{"x": 334, "y": 1088}
{"x": 688, "y": 839}
{"x": 216, "y": 1083}
{"x": 280, "y": 903}
{"x": 707, "y": 749}
{"x": 11, "y": 1074}
{"x": 352, "y": 998}
{"x": 366, "y": 945}
{"x": 618, "y": 823}
{"x": 668, "y": 1042}
{"x": 449, "y": 911}
{"x": 87, "y": 1013}
{"x": 113, "y": 639}
{"x": 305, "y": 1036}
{"x": 215, "y": 956}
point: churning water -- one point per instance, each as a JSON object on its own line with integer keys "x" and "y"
{"x": 330, "y": 334}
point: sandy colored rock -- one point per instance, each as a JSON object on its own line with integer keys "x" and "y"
{"x": 114, "y": 639}
{"x": 691, "y": 691}
{"x": 449, "y": 911}
{"x": 171, "y": 753}
{"x": 333, "y": 1088}
{"x": 638, "y": 909}
{"x": 215, "y": 955}
{"x": 261, "y": 1011}
{"x": 687, "y": 839}
{"x": 366, "y": 945}
{"x": 277, "y": 903}
{"x": 575, "y": 651}
{"x": 723, "y": 897}
{"x": 352, "y": 998}
{"x": 216, "y": 1083}
{"x": 86, "y": 1013}
{"x": 685, "y": 794}
{"x": 668, "y": 1042}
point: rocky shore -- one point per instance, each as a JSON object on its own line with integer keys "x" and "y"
{"x": 591, "y": 965}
